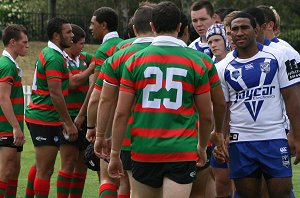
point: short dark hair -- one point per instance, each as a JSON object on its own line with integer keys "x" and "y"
{"x": 108, "y": 15}
{"x": 245, "y": 15}
{"x": 268, "y": 12}
{"x": 257, "y": 13}
{"x": 55, "y": 25}
{"x": 198, "y": 5}
{"x": 222, "y": 12}
{"x": 142, "y": 19}
{"x": 78, "y": 32}
{"x": 184, "y": 23}
{"x": 12, "y": 31}
{"x": 165, "y": 17}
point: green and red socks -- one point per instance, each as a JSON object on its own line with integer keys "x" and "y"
{"x": 41, "y": 188}
{"x": 30, "y": 182}
{"x": 63, "y": 184}
{"x": 77, "y": 185}
{"x": 108, "y": 190}
{"x": 11, "y": 188}
{"x": 2, "y": 188}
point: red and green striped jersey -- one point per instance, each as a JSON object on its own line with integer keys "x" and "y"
{"x": 125, "y": 43}
{"x": 76, "y": 97}
{"x": 50, "y": 66}
{"x": 106, "y": 49}
{"x": 10, "y": 73}
{"x": 164, "y": 78}
{"x": 112, "y": 72}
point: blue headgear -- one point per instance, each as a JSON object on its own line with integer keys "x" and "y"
{"x": 218, "y": 29}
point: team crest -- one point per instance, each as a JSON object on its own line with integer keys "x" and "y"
{"x": 236, "y": 74}
{"x": 265, "y": 67}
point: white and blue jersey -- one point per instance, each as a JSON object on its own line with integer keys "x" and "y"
{"x": 282, "y": 42}
{"x": 252, "y": 86}
{"x": 201, "y": 47}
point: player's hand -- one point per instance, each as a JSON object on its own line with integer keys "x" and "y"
{"x": 72, "y": 131}
{"x": 202, "y": 157}
{"x": 91, "y": 135}
{"x": 115, "y": 167}
{"x": 221, "y": 154}
{"x": 92, "y": 65}
{"x": 101, "y": 148}
{"x": 297, "y": 150}
{"x": 19, "y": 138}
{"x": 217, "y": 138}
{"x": 79, "y": 121}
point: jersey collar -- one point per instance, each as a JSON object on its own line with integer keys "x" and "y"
{"x": 168, "y": 41}
{"x": 275, "y": 40}
{"x": 143, "y": 40}
{"x": 7, "y": 54}
{"x": 75, "y": 61}
{"x": 259, "y": 46}
{"x": 110, "y": 35}
{"x": 55, "y": 47}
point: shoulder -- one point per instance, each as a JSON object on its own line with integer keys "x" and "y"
{"x": 193, "y": 44}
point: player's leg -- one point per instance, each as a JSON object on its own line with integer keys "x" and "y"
{"x": 108, "y": 185}
{"x": 12, "y": 183}
{"x": 146, "y": 191}
{"x": 248, "y": 187}
{"x": 224, "y": 186}
{"x": 279, "y": 187}
{"x": 172, "y": 189}
{"x": 126, "y": 182}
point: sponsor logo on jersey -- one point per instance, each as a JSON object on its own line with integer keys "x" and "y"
{"x": 265, "y": 67}
{"x": 40, "y": 138}
{"x": 56, "y": 139}
{"x": 249, "y": 66}
{"x": 292, "y": 69}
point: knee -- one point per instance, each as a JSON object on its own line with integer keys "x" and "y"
{"x": 45, "y": 172}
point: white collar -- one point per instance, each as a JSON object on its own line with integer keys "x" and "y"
{"x": 109, "y": 36}
{"x": 68, "y": 58}
{"x": 143, "y": 40}
{"x": 7, "y": 54}
{"x": 53, "y": 46}
{"x": 168, "y": 41}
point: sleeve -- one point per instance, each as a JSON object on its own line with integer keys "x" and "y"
{"x": 99, "y": 81}
{"x": 289, "y": 71}
{"x": 100, "y": 57}
{"x": 88, "y": 58}
{"x": 109, "y": 73}
{"x": 54, "y": 68}
{"x": 201, "y": 79}
{"x": 7, "y": 74}
{"x": 212, "y": 71}
{"x": 127, "y": 80}
{"x": 221, "y": 71}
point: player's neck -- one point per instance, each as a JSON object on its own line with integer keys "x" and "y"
{"x": 11, "y": 52}
{"x": 247, "y": 52}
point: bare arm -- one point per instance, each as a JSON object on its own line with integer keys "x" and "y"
{"x": 219, "y": 108}
{"x": 291, "y": 98}
{"x": 61, "y": 107}
{"x": 7, "y": 109}
{"x": 78, "y": 79}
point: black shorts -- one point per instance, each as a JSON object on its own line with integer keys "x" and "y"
{"x": 126, "y": 160}
{"x": 153, "y": 174}
{"x": 43, "y": 135}
{"x": 208, "y": 154}
{"x": 81, "y": 142}
{"x": 8, "y": 141}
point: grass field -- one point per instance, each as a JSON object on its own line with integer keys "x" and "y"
{"x": 91, "y": 188}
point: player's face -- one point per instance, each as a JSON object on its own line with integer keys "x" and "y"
{"x": 229, "y": 38}
{"x": 201, "y": 21}
{"x": 66, "y": 36}
{"x": 217, "y": 45}
{"x": 77, "y": 47}
{"x": 21, "y": 45}
{"x": 96, "y": 28}
{"x": 242, "y": 33}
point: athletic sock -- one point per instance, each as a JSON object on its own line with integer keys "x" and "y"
{"x": 63, "y": 183}
{"x": 30, "y": 181}
{"x": 11, "y": 188}
{"x": 108, "y": 190}
{"x": 124, "y": 196}
{"x": 2, "y": 188}
{"x": 77, "y": 185}
{"x": 41, "y": 188}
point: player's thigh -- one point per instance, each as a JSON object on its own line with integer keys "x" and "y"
{"x": 146, "y": 191}
{"x": 104, "y": 177}
{"x": 173, "y": 189}
{"x": 69, "y": 153}
{"x": 279, "y": 187}
{"x": 45, "y": 157}
{"x": 201, "y": 182}
{"x": 222, "y": 180}
{"x": 8, "y": 161}
{"x": 248, "y": 187}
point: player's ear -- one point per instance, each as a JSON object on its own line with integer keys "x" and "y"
{"x": 153, "y": 27}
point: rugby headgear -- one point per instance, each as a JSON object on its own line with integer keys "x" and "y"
{"x": 218, "y": 29}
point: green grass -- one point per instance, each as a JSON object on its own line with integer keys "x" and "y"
{"x": 91, "y": 187}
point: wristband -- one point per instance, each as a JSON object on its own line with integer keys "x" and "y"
{"x": 88, "y": 127}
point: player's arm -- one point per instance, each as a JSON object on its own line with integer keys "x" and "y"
{"x": 105, "y": 114}
{"x": 203, "y": 105}
{"x": 7, "y": 109}
{"x": 61, "y": 107}
{"x": 78, "y": 79}
{"x": 291, "y": 99}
